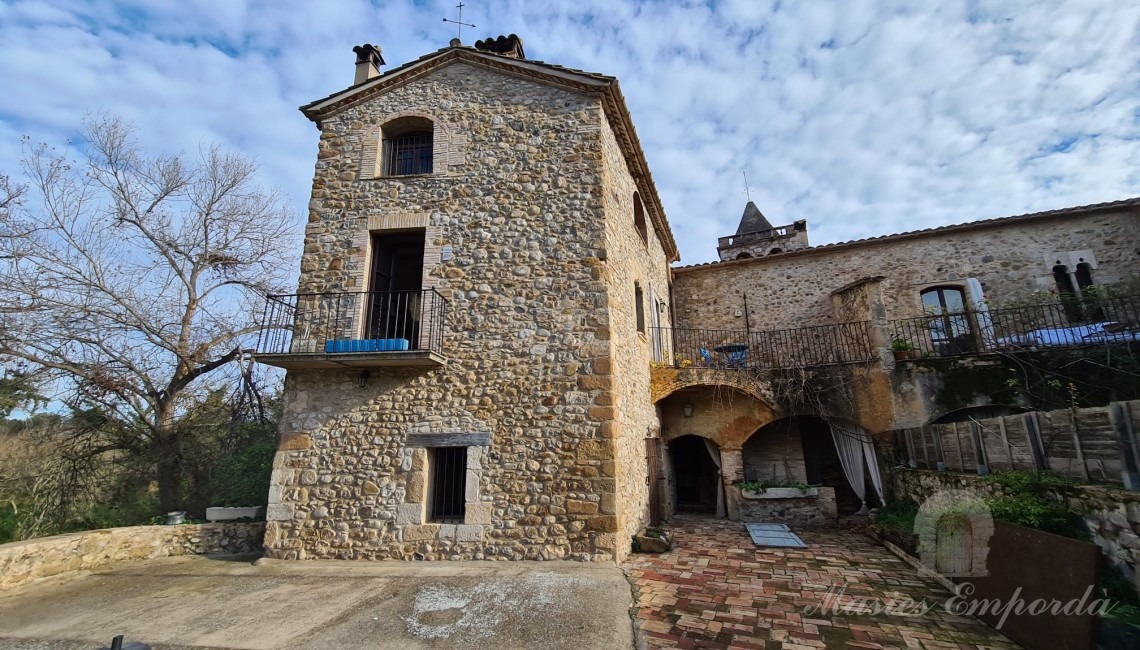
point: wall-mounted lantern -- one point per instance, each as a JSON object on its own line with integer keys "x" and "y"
{"x": 687, "y": 409}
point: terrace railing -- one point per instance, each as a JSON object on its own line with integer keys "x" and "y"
{"x": 802, "y": 347}
{"x": 1068, "y": 323}
{"x": 354, "y": 322}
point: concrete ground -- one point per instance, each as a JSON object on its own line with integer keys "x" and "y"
{"x": 192, "y": 602}
{"x": 715, "y": 589}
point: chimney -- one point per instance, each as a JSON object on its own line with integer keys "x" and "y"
{"x": 368, "y": 62}
{"x": 508, "y": 46}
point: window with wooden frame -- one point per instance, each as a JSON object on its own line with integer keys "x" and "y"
{"x": 948, "y": 321}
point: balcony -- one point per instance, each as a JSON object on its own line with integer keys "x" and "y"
{"x": 1069, "y": 323}
{"x": 803, "y": 347}
{"x": 353, "y": 330}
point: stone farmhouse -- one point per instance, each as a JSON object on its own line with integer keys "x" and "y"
{"x": 490, "y": 354}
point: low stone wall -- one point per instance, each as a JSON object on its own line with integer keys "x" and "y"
{"x": 1112, "y": 516}
{"x": 23, "y": 562}
{"x": 794, "y": 510}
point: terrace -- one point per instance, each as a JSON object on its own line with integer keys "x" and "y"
{"x": 1072, "y": 322}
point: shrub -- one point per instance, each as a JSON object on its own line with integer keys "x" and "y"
{"x": 243, "y": 478}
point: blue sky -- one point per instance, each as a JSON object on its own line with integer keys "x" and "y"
{"x": 862, "y": 117}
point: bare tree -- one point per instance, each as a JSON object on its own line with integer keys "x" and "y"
{"x": 132, "y": 278}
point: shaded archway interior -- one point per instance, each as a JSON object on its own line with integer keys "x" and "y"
{"x": 800, "y": 449}
{"x": 695, "y": 475}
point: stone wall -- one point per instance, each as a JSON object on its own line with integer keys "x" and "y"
{"x": 776, "y": 453}
{"x": 527, "y": 239}
{"x": 630, "y": 262}
{"x": 1112, "y": 516}
{"x": 794, "y": 289}
{"x": 792, "y": 508}
{"x": 32, "y": 559}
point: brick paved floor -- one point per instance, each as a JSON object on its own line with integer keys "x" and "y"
{"x": 715, "y": 589}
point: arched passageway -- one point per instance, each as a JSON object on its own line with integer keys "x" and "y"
{"x": 800, "y": 449}
{"x": 696, "y": 477}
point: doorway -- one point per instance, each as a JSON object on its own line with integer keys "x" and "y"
{"x": 821, "y": 462}
{"x": 694, "y": 474}
{"x": 394, "y": 291}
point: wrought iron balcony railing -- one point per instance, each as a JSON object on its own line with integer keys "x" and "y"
{"x": 1072, "y": 322}
{"x": 802, "y": 347}
{"x": 367, "y": 323}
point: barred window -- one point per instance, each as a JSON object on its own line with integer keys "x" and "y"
{"x": 408, "y": 147}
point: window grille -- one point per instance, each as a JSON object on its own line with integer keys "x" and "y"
{"x": 408, "y": 154}
{"x": 448, "y": 483}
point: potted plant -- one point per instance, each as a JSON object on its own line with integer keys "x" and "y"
{"x": 903, "y": 349}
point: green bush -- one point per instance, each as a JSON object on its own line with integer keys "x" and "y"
{"x": 897, "y": 516}
{"x": 1033, "y": 500}
{"x": 243, "y": 478}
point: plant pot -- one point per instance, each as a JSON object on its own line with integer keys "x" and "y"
{"x": 230, "y": 513}
{"x": 175, "y": 518}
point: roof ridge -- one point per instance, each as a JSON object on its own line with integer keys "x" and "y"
{"x": 1044, "y": 214}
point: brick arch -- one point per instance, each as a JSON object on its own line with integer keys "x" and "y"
{"x": 447, "y": 147}
{"x": 666, "y": 381}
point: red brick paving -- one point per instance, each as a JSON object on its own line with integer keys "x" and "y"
{"x": 715, "y": 589}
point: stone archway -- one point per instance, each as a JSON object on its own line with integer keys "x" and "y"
{"x": 666, "y": 381}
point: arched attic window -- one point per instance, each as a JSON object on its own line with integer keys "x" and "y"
{"x": 408, "y": 146}
{"x": 744, "y": 256}
{"x": 639, "y": 219}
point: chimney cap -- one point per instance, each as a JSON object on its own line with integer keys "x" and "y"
{"x": 369, "y": 53}
{"x": 508, "y": 46}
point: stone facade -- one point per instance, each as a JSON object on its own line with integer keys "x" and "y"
{"x": 530, "y": 236}
{"x": 1010, "y": 257}
{"x": 543, "y": 231}
{"x": 90, "y": 550}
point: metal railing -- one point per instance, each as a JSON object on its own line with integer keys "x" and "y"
{"x": 355, "y": 322}
{"x": 803, "y": 347}
{"x": 1069, "y": 323}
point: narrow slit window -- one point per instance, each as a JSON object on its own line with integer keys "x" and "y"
{"x": 639, "y": 300}
{"x": 448, "y": 483}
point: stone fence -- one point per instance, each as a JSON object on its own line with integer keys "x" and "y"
{"x": 28, "y": 560}
{"x": 1090, "y": 444}
{"x": 1112, "y": 516}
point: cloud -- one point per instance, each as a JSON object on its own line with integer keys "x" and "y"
{"x": 862, "y": 117}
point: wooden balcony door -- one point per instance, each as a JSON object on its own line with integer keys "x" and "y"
{"x": 394, "y": 301}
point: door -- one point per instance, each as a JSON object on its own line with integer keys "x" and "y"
{"x": 394, "y": 290}
{"x": 653, "y": 477}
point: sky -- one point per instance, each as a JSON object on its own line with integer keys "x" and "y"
{"x": 864, "y": 118}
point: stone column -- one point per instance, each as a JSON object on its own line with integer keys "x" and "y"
{"x": 731, "y": 471}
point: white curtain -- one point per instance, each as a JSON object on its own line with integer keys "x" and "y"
{"x": 714, "y": 453}
{"x": 981, "y": 312}
{"x": 856, "y": 452}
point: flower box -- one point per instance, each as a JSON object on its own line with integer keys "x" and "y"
{"x": 226, "y": 514}
{"x": 781, "y": 493}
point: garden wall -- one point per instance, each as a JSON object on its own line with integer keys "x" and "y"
{"x": 1111, "y": 515}
{"x": 1090, "y": 444}
{"x": 28, "y": 560}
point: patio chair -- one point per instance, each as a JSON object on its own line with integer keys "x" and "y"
{"x": 707, "y": 358}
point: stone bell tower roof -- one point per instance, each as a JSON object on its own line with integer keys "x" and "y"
{"x": 752, "y": 220}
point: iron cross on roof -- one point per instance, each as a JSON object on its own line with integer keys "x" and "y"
{"x": 459, "y": 23}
